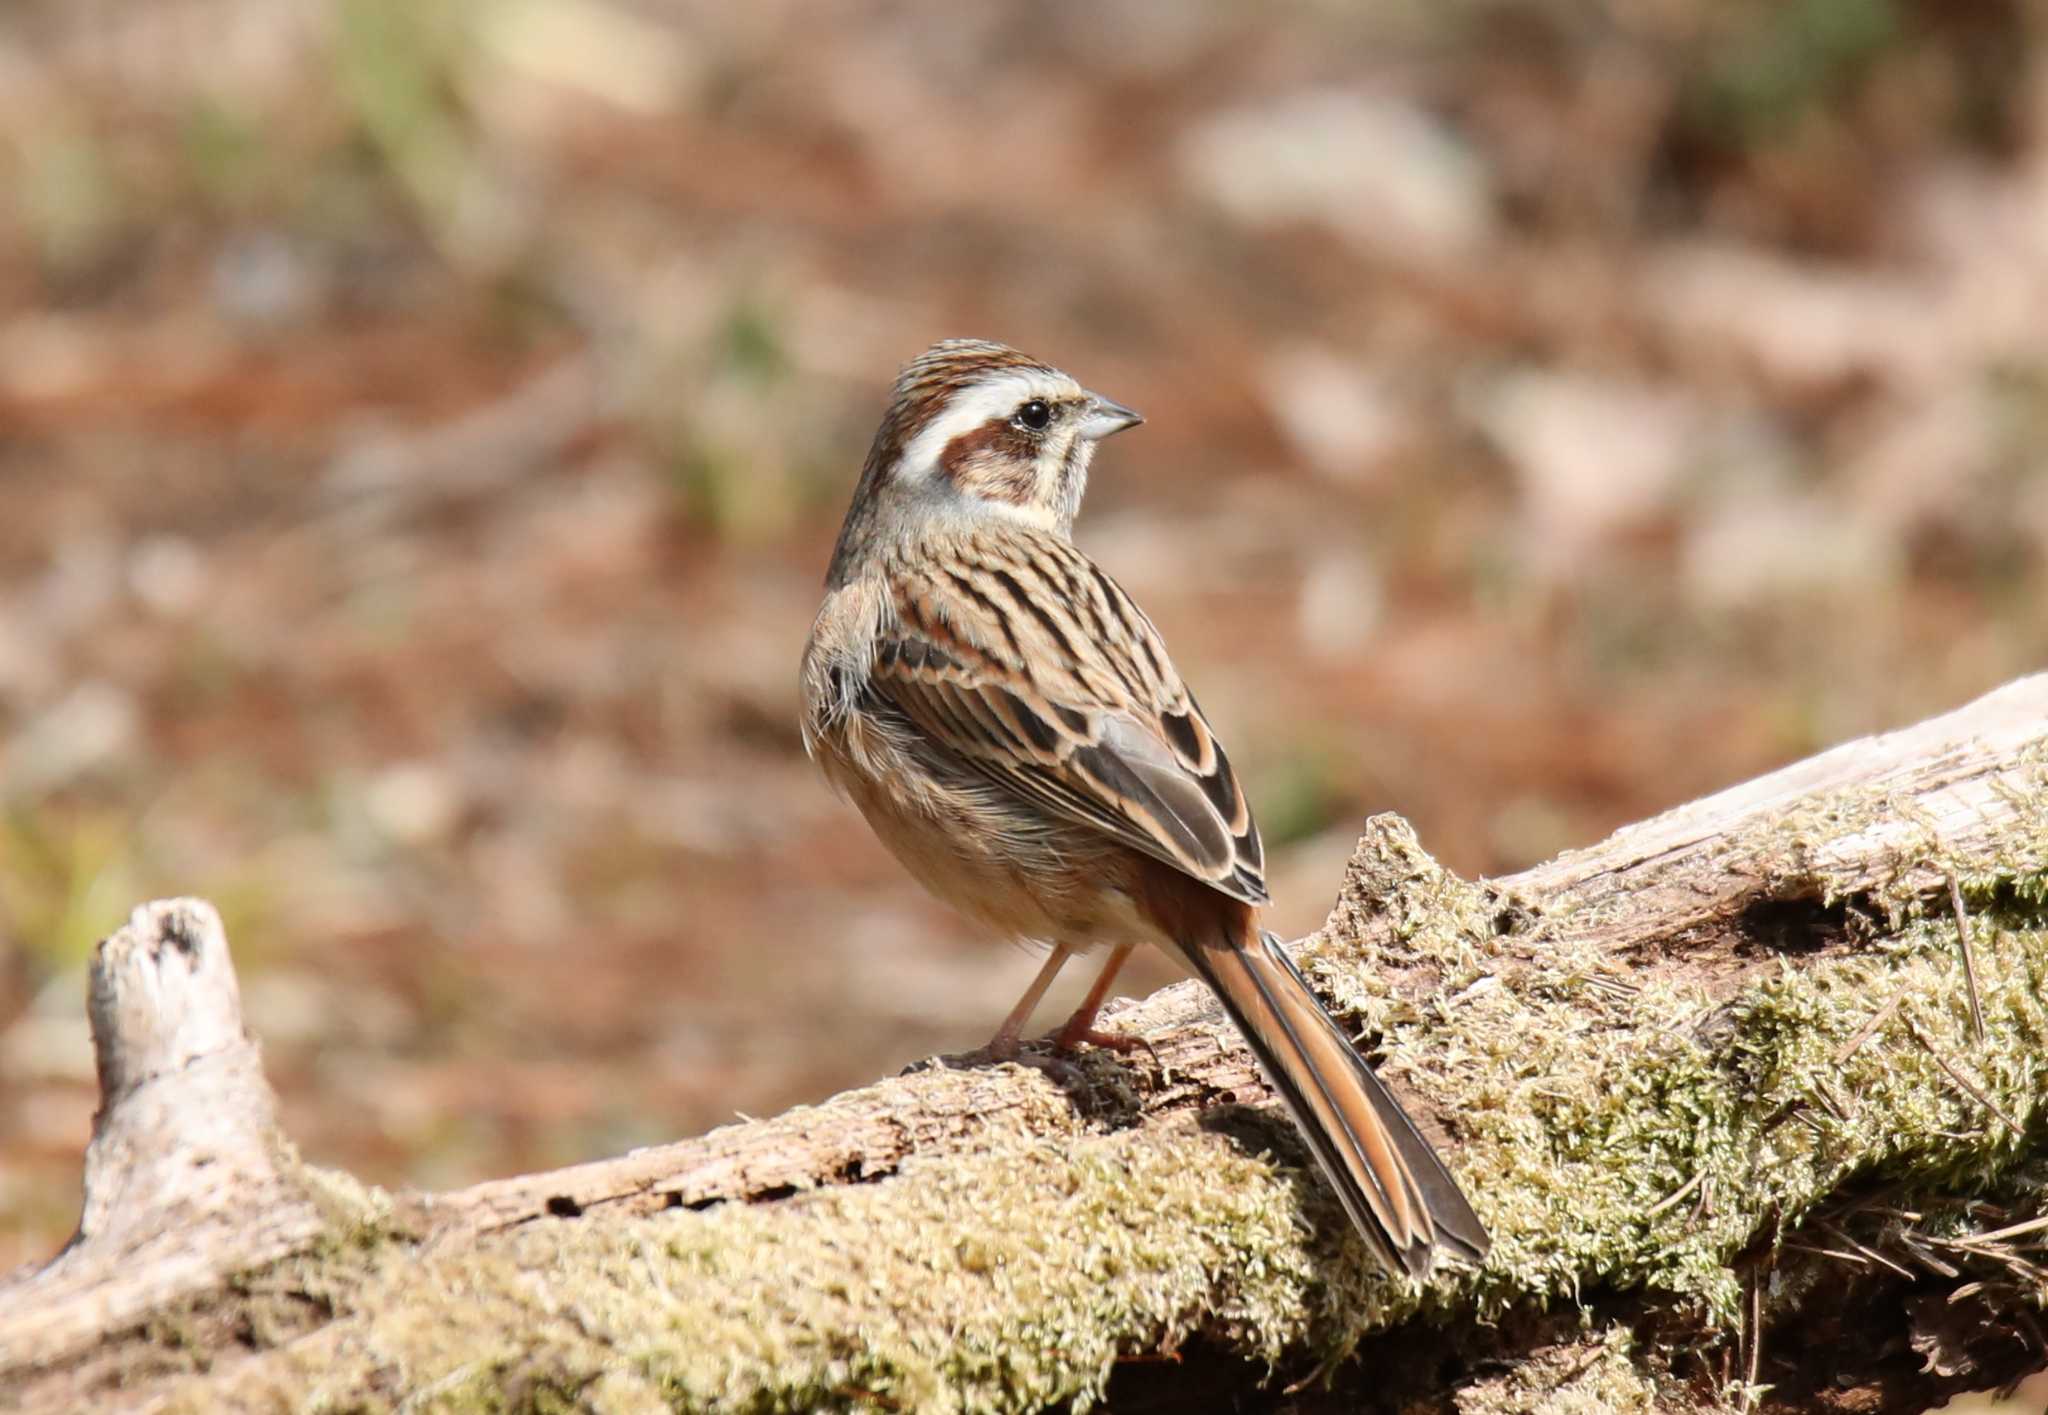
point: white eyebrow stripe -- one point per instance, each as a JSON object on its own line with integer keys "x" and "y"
{"x": 983, "y": 402}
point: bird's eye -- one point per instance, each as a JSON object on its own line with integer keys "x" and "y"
{"x": 1034, "y": 415}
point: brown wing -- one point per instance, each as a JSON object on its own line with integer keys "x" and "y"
{"x": 1020, "y": 659}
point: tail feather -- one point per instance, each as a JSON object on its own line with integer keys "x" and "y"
{"x": 1393, "y": 1185}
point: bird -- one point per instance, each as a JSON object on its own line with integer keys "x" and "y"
{"x": 1008, "y": 721}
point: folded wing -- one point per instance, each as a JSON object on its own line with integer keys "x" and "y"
{"x": 1029, "y": 666}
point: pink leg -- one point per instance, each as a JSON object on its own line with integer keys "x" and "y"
{"x": 1003, "y": 1045}
{"x": 1081, "y": 1026}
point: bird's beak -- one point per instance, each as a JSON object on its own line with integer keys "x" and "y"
{"x": 1105, "y": 418}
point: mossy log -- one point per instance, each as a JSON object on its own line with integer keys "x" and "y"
{"x": 1750, "y": 1096}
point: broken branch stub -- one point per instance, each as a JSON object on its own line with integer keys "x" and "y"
{"x": 187, "y": 1176}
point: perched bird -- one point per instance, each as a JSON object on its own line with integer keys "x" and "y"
{"x": 1012, "y": 728}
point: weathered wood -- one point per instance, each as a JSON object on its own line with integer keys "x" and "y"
{"x": 1875, "y": 817}
{"x": 187, "y": 1177}
{"x": 1614, "y": 1046}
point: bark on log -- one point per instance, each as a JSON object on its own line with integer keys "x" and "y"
{"x": 1769, "y": 1063}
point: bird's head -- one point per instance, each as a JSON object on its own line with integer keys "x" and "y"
{"x": 977, "y": 429}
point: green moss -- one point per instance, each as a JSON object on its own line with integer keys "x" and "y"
{"x": 1004, "y": 1281}
{"x": 1621, "y": 1130}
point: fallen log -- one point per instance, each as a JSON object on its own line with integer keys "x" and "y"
{"x": 1770, "y": 1063}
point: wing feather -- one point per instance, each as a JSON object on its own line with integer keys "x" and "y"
{"x": 1074, "y": 707}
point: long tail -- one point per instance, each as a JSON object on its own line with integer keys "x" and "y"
{"x": 1396, "y": 1190}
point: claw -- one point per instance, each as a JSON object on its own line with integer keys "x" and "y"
{"x": 1123, "y": 1043}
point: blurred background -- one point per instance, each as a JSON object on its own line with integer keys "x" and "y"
{"x": 423, "y": 428}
